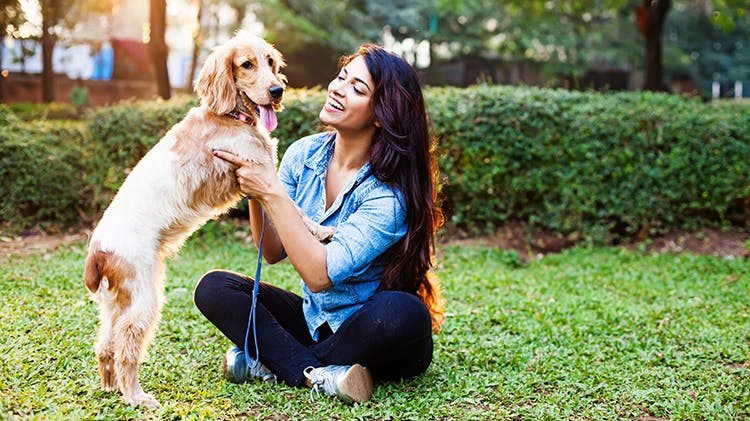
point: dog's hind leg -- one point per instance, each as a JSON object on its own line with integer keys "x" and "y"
{"x": 134, "y": 331}
{"x": 104, "y": 347}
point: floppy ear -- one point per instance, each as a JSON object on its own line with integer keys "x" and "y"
{"x": 281, "y": 64}
{"x": 215, "y": 82}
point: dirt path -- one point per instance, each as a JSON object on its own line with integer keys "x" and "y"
{"x": 37, "y": 243}
{"x": 725, "y": 243}
{"x": 729, "y": 243}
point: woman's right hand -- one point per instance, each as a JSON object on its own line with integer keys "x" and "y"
{"x": 256, "y": 180}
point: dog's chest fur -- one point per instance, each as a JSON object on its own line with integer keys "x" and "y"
{"x": 179, "y": 185}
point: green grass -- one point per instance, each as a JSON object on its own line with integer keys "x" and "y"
{"x": 592, "y": 333}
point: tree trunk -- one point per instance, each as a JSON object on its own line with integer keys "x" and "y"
{"x": 157, "y": 46}
{"x": 48, "y": 45}
{"x": 650, "y": 20}
{"x": 197, "y": 43}
{"x": 2, "y": 76}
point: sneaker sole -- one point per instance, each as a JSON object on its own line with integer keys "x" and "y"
{"x": 356, "y": 386}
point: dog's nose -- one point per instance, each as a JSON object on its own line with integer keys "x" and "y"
{"x": 276, "y": 91}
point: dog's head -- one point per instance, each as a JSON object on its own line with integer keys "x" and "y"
{"x": 245, "y": 68}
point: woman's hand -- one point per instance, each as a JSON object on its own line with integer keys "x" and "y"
{"x": 256, "y": 180}
{"x": 307, "y": 254}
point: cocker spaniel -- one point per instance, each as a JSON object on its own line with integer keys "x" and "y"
{"x": 176, "y": 188}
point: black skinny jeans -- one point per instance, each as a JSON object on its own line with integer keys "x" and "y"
{"x": 391, "y": 334}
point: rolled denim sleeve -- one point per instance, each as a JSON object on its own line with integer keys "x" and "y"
{"x": 377, "y": 224}
{"x": 290, "y": 160}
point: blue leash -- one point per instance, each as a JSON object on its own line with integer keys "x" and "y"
{"x": 251, "y": 362}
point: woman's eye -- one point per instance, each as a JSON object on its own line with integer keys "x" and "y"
{"x": 247, "y": 65}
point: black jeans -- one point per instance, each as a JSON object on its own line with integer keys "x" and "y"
{"x": 391, "y": 334}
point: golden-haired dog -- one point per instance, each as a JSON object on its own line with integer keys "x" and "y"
{"x": 175, "y": 188}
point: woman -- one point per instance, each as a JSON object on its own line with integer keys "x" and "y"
{"x": 368, "y": 307}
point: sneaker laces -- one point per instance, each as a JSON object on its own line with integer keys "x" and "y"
{"x": 323, "y": 380}
{"x": 238, "y": 369}
{"x": 258, "y": 370}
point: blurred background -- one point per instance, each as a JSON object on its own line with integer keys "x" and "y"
{"x": 117, "y": 49}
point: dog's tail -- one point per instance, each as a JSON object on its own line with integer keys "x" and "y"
{"x": 101, "y": 264}
{"x": 93, "y": 271}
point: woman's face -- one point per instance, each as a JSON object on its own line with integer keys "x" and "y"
{"x": 349, "y": 103}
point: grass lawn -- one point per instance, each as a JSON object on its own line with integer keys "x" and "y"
{"x": 592, "y": 333}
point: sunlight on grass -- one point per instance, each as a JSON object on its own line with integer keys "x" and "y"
{"x": 592, "y": 333}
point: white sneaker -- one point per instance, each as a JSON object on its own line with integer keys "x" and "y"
{"x": 351, "y": 383}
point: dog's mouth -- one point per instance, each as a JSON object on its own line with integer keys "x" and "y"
{"x": 267, "y": 116}
{"x": 265, "y": 113}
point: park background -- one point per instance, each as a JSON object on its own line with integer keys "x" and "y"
{"x": 684, "y": 46}
{"x": 594, "y": 173}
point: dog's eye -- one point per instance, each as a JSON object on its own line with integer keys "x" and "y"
{"x": 270, "y": 61}
{"x": 247, "y": 65}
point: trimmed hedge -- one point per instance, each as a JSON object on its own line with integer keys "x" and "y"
{"x": 41, "y": 165}
{"x": 589, "y": 165}
{"x": 52, "y": 111}
{"x": 122, "y": 134}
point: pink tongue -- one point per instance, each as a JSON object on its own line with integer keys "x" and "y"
{"x": 268, "y": 117}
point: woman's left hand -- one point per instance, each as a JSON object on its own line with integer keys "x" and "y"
{"x": 256, "y": 180}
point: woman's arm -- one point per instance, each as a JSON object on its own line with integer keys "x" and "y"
{"x": 305, "y": 252}
{"x": 287, "y": 232}
{"x": 273, "y": 250}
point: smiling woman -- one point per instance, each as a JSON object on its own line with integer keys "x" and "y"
{"x": 348, "y": 107}
{"x": 367, "y": 305}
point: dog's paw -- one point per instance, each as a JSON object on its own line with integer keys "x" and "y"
{"x": 324, "y": 234}
{"x": 142, "y": 399}
{"x": 107, "y": 373}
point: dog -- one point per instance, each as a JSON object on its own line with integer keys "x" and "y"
{"x": 173, "y": 190}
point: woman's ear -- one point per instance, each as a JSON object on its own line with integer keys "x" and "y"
{"x": 215, "y": 83}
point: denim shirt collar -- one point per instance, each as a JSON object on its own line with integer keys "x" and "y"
{"x": 318, "y": 162}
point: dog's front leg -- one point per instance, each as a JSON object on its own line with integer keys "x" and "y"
{"x": 322, "y": 233}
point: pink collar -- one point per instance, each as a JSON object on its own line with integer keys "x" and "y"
{"x": 240, "y": 116}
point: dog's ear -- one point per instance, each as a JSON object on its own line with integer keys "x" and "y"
{"x": 280, "y": 63}
{"x": 279, "y": 59}
{"x": 215, "y": 82}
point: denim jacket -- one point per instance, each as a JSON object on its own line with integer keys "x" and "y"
{"x": 369, "y": 217}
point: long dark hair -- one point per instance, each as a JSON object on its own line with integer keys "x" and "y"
{"x": 402, "y": 155}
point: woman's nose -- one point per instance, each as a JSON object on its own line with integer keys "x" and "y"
{"x": 336, "y": 85}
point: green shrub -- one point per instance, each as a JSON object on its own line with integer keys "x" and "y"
{"x": 121, "y": 134}
{"x": 50, "y": 111}
{"x": 603, "y": 167}
{"x": 41, "y": 165}
{"x": 300, "y": 116}
{"x": 7, "y": 116}
{"x": 588, "y": 164}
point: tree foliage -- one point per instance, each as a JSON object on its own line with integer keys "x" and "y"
{"x": 567, "y": 37}
{"x": 11, "y": 17}
{"x": 341, "y": 25}
{"x": 708, "y": 51}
